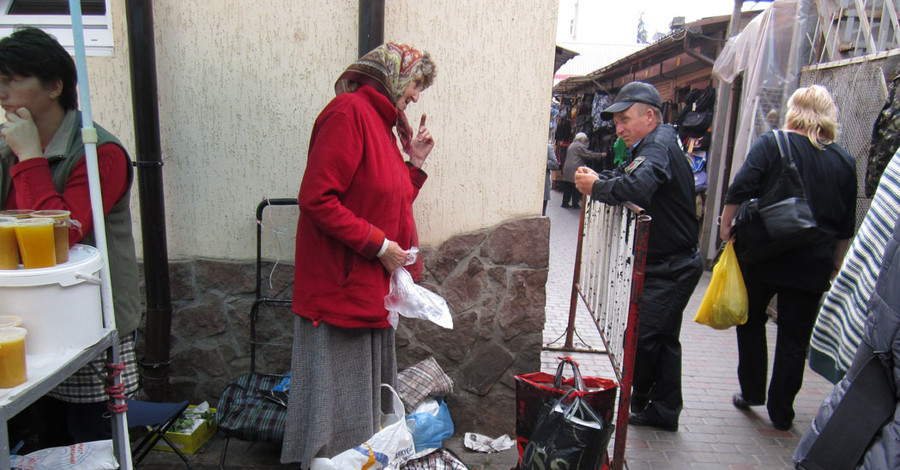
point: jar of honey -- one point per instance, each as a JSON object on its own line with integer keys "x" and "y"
{"x": 36, "y": 244}
{"x": 12, "y": 357}
{"x": 9, "y": 247}
{"x": 60, "y": 231}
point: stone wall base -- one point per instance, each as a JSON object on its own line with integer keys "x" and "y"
{"x": 493, "y": 281}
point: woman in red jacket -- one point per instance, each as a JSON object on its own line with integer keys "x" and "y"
{"x": 355, "y": 227}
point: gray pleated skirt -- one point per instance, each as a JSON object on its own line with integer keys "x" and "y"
{"x": 335, "y": 397}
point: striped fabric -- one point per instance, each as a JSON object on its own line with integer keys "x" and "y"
{"x": 841, "y": 320}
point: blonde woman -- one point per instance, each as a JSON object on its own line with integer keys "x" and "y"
{"x": 800, "y": 276}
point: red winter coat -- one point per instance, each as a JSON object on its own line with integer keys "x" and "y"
{"x": 356, "y": 190}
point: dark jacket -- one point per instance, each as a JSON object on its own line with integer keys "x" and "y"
{"x": 658, "y": 178}
{"x": 829, "y": 183}
{"x": 883, "y": 336}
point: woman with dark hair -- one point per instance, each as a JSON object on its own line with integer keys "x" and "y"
{"x": 800, "y": 276}
{"x": 42, "y": 167}
{"x": 356, "y": 225}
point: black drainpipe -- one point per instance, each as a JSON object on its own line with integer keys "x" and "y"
{"x": 148, "y": 160}
{"x": 371, "y": 25}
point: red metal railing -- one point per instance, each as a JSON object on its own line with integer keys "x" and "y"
{"x": 609, "y": 268}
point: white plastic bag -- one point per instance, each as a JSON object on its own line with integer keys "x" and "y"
{"x": 389, "y": 448}
{"x": 96, "y": 455}
{"x": 414, "y": 301}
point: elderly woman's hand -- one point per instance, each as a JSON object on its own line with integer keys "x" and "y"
{"x": 393, "y": 257}
{"x": 421, "y": 145}
{"x": 22, "y": 135}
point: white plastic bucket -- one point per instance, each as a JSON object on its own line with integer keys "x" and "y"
{"x": 60, "y": 305}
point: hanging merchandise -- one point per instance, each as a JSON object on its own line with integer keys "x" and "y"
{"x": 601, "y": 102}
{"x": 621, "y": 151}
{"x": 668, "y": 111}
{"x": 584, "y": 122}
{"x": 696, "y": 117}
{"x": 885, "y": 137}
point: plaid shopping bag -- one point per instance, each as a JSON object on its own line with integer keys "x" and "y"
{"x": 248, "y": 409}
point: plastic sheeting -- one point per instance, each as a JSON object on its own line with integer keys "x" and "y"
{"x": 766, "y": 55}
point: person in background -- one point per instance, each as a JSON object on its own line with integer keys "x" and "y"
{"x": 42, "y": 167}
{"x": 563, "y": 136}
{"x": 552, "y": 164}
{"x": 800, "y": 276}
{"x": 577, "y": 156}
{"x": 355, "y": 227}
{"x": 658, "y": 178}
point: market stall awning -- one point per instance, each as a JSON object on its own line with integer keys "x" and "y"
{"x": 563, "y": 55}
{"x": 685, "y": 51}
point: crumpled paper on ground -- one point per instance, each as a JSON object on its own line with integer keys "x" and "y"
{"x": 480, "y": 443}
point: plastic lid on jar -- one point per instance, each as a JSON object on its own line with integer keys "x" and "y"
{"x": 16, "y": 213}
{"x": 9, "y": 320}
{"x": 34, "y": 222}
{"x": 12, "y": 333}
{"x": 53, "y": 214}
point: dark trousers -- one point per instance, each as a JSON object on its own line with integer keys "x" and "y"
{"x": 49, "y": 422}
{"x": 570, "y": 193}
{"x": 797, "y": 311}
{"x": 668, "y": 286}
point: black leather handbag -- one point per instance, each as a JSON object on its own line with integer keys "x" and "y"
{"x": 779, "y": 220}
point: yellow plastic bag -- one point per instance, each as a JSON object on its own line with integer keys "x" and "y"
{"x": 725, "y": 303}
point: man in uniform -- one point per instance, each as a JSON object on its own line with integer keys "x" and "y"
{"x": 657, "y": 177}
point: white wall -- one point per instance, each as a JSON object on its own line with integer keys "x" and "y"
{"x": 240, "y": 84}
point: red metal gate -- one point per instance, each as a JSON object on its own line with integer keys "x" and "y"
{"x": 608, "y": 281}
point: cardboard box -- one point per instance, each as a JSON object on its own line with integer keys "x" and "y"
{"x": 189, "y": 443}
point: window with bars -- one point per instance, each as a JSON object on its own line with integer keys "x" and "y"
{"x": 53, "y": 17}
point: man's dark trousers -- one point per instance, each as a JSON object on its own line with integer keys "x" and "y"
{"x": 668, "y": 285}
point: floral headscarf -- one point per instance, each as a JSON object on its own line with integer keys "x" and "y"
{"x": 389, "y": 68}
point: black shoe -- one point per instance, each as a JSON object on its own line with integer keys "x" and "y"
{"x": 652, "y": 419}
{"x": 781, "y": 425}
{"x": 738, "y": 401}
{"x": 575, "y": 206}
{"x": 639, "y": 403}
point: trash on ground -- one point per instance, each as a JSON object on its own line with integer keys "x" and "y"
{"x": 481, "y": 443}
